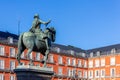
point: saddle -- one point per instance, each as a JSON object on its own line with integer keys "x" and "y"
{"x": 39, "y": 34}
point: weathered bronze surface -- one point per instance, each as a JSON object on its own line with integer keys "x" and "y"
{"x": 37, "y": 23}
{"x": 36, "y": 40}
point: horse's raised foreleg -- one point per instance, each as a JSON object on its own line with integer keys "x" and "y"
{"x": 28, "y": 56}
{"x": 45, "y": 57}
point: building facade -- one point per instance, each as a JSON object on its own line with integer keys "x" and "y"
{"x": 68, "y": 62}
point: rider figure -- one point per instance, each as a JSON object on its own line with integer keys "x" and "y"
{"x": 37, "y": 23}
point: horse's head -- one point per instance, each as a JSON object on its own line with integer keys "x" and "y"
{"x": 51, "y": 33}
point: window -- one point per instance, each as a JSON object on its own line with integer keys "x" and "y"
{"x": 58, "y": 50}
{"x": 1, "y": 50}
{"x": 69, "y": 72}
{"x": 2, "y": 64}
{"x": 31, "y": 55}
{"x": 112, "y": 72}
{"x": 85, "y": 74}
{"x": 85, "y": 63}
{"x": 83, "y": 54}
{"x": 10, "y": 39}
{"x": 102, "y": 73}
{"x": 60, "y": 60}
{"x": 51, "y": 58}
{"x": 102, "y": 62}
{"x": 98, "y": 53}
{"x": 12, "y": 65}
{"x": 12, "y": 78}
{"x": 113, "y": 51}
{"x": 68, "y": 61}
{"x": 22, "y": 55}
{"x": 37, "y": 56}
{"x": 1, "y": 77}
{"x": 90, "y": 74}
{"x": 90, "y": 63}
{"x": 96, "y": 73}
{"x": 91, "y": 54}
{"x": 79, "y": 74}
{"x": 97, "y": 63}
{"x": 12, "y": 52}
{"x": 73, "y": 73}
{"x": 59, "y": 71}
{"x": 112, "y": 61}
{"x": 73, "y": 62}
{"x": 79, "y": 63}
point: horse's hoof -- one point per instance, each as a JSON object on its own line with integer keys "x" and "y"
{"x": 44, "y": 66}
{"x": 20, "y": 63}
{"x": 42, "y": 61}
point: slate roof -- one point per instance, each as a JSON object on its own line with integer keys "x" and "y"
{"x": 105, "y": 49}
{"x": 69, "y": 47}
{"x": 5, "y": 35}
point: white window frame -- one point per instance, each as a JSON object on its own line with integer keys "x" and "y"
{"x": 60, "y": 70}
{"x": 37, "y": 56}
{"x": 79, "y": 63}
{"x": 2, "y": 50}
{"x": 102, "y": 62}
{"x": 68, "y": 72}
{"x": 57, "y": 49}
{"x": 102, "y": 73}
{"x": 51, "y": 60}
{"x": 91, "y": 74}
{"x": 91, "y": 54}
{"x": 113, "y": 51}
{"x": 1, "y": 76}
{"x": 73, "y": 72}
{"x": 12, "y": 52}
{"x": 12, "y": 65}
{"x": 91, "y": 64}
{"x": 12, "y": 77}
{"x": 97, "y": 72}
{"x": 2, "y": 64}
{"x": 85, "y": 74}
{"x": 73, "y": 62}
{"x": 112, "y": 61}
{"x": 85, "y": 63}
{"x": 97, "y": 63}
{"x": 60, "y": 61}
{"x": 80, "y": 74}
{"x": 112, "y": 74}
{"x": 31, "y": 55}
{"x": 68, "y": 61}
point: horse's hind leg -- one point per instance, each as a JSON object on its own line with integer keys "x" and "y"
{"x": 20, "y": 50}
{"x": 28, "y": 56}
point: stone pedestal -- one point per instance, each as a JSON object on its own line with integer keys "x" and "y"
{"x": 33, "y": 73}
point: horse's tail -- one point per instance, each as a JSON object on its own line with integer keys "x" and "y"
{"x": 20, "y": 47}
{"x": 20, "y": 42}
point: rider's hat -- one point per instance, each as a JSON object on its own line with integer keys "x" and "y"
{"x": 36, "y": 16}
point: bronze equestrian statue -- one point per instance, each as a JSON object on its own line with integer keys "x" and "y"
{"x": 37, "y": 41}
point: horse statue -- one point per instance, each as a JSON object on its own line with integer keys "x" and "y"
{"x": 38, "y": 42}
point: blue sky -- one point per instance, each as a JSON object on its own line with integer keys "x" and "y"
{"x": 82, "y": 23}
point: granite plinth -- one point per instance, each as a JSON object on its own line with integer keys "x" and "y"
{"x": 33, "y": 73}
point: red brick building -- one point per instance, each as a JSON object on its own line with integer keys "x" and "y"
{"x": 68, "y": 62}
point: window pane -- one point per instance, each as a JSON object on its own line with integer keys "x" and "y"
{"x": 12, "y": 52}
{"x": 2, "y": 64}
{"x": 1, "y": 50}
{"x": 12, "y": 65}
